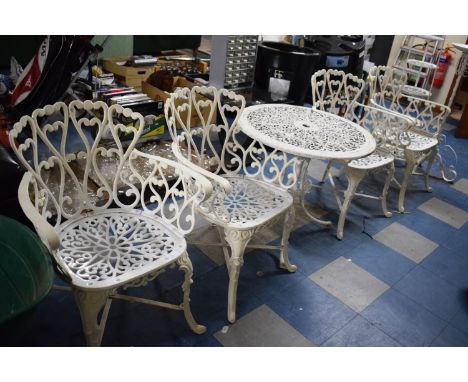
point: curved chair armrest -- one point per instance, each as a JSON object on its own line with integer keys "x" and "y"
{"x": 413, "y": 98}
{"x": 412, "y": 121}
{"x": 224, "y": 183}
{"x": 416, "y": 125}
{"x": 46, "y": 232}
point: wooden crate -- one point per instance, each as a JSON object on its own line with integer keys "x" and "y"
{"x": 161, "y": 95}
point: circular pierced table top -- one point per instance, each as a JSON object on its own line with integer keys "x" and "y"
{"x": 305, "y": 132}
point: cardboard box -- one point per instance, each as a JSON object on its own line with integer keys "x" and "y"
{"x": 154, "y": 127}
{"x": 130, "y": 76}
{"x": 161, "y": 95}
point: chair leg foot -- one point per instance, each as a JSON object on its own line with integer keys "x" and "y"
{"x": 90, "y": 304}
{"x": 289, "y": 218}
{"x": 186, "y": 266}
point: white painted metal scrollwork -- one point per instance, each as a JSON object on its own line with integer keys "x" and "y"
{"x": 98, "y": 248}
{"x": 248, "y": 202}
{"x": 430, "y": 118}
{"x": 447, "y": 158}
{"x": 385, "y": 85}
{"x": 306, "y": 132}
{"x": 430, "y": 115}
{"x": 335, "y": 91}
{"x": 237, "y": 157}
{"x": 71, "y": 197}
{"x": 386, "y": 81}
{"x": 390, "y": 130}
{"x": 250, "y": 179}
{"x": 391, "y": 133}
{"x": 109, "y": 245}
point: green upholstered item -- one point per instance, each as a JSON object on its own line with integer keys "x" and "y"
{"x": 26, "y": 272}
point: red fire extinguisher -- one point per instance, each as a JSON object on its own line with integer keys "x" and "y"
{"x": 442, "y": 67}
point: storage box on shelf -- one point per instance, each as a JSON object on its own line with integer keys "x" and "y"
{"x": 130, "y": 76}
{"x": 182, "y": 62}
{"x": 232, "y": 63}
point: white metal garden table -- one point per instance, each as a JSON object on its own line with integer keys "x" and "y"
{"x": 308, "y": 134}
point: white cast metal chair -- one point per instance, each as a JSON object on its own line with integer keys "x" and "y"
{"x": 429, "y": 118}
{"x": 250, "y": 180}
{"x": 128, "y": 228}
{"x": 336, "y": 92}
{"x": 385, "y": 87}
{"x": 385, "y": 81}
{"x": 390, "y": 131}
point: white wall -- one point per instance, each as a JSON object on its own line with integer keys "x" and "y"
{"x": 439, "y": 95}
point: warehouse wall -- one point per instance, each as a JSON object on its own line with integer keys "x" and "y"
{"x": 439, "y": 95}
{"x": 116, "y": 46}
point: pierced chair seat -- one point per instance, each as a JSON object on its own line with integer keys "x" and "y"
{"x": 415, "y": 91}
{"x": 420, "y": 142}
{"x": 114, "y": 247}
{"x": 375, "y": 160}
{"x": 250, "y": 204}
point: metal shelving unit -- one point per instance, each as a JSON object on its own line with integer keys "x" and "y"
{"x": 232, "y": 63}
{"x": 418, "y": 57}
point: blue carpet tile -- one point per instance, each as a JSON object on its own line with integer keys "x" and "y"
{"x": 422, "y": 304}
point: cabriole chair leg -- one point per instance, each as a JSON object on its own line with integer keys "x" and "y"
{"x": 390, "y": 173}
{"x": 185, "y": 265}
{"x": 354, "y": 178}
{"x": 90, "y": 303}
{"x": 289, "y": 218}
{"x": 409, "y": 169}
{"x": 430, "y": 162}
{"x": 237, "y": 240}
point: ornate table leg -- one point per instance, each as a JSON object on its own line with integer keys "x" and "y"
{"x": 302, "y": 188}
{"x": 289, "y": 218}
